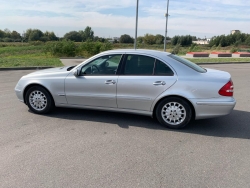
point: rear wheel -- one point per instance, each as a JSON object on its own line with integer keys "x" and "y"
{"x": 39, "y": 100}
{"x": 173, "y": 112}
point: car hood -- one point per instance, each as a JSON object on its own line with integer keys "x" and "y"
{"x": 52, "y": 70}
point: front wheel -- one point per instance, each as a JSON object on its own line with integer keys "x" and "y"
{"x": 39, "y": 100}
{"x": 173, "y": 112}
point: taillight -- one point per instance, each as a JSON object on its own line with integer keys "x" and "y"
{"x": 227, "y": 89}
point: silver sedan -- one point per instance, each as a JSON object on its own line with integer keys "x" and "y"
{"x": 152, "y": 83}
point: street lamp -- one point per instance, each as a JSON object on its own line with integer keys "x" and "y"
{"x": 136, "y": 24}
{"x": 166, "y": 30}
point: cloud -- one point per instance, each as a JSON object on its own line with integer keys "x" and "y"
{"x": 109, "y": 17}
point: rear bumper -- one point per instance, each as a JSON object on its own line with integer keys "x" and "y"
{"x": 213, "y": 107}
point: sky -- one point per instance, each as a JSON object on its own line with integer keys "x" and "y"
{"x": 112, "y": 18}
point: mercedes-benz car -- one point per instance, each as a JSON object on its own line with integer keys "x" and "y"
{"x": 153, "y": 83}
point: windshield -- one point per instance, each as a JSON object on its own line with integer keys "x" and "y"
{"x": 188, "y": 63}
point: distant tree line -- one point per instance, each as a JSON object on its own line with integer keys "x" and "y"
{"x": 146, "y": 39}
{"x": 37, "y": 35}
{"x": 9, "y": 36}
{"x": 232, "y": 39}
{"x": 30, "y": 35}
{"x": 88, "y": 35}
{"x": 82, "y": 36}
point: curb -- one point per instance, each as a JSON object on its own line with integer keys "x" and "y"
{"x": 222, "y": 63}
{"x": 72, "y": 57}
{"x": 23, "y": 68}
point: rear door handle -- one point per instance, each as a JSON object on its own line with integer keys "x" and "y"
{"x": 110, "y": 82}
{"x": 159, "y": 83}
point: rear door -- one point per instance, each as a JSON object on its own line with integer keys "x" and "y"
{"x": 143, "y": 78}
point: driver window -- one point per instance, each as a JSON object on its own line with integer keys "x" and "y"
{"x": 105, "y": 65}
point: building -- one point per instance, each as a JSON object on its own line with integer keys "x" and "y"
{"x": 114, "y": 39}
{"x": 235, "y": 31}
{"x": 202, "y": 41}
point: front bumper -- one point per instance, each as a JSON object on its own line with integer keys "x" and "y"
{"x": 19, "y": 93}
{"x": 213, "y": 107}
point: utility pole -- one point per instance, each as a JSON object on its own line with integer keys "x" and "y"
{"x": 136, "y": 24}
{"x": 166, "y": 30}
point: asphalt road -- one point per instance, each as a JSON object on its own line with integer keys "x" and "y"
{"x": 81, "y": 148}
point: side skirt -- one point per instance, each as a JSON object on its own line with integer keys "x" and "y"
{"x": 146, "y": 113}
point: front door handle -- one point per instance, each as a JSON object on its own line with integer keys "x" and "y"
{"x": 110, "y": 82}
{"x": 159, "y": 83}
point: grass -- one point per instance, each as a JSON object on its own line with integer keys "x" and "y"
{"x": 24, "y": 56}
{"x": 219, "y": 60}
{"x": 29, "y": 62}
{"x": 32, "y": 54}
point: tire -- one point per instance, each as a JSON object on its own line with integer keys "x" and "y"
{"x": 174, "y": 113}
{"x": 39, "y": 100}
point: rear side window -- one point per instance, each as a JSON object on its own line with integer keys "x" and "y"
{"x": 144, "y": 65}
{"x": 162, "y": 69}
{"x": 188, "y": 63}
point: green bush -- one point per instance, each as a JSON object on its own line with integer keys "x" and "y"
{"x": 90, "y": 48}
{"x": 69, "y": 48}
{"x": 61, "y": 48}
{"x": 106, "y": 46}
{"x": 234, "y": 49}
{"x": 194, "y": 48}
{"x": 36, "y": 43}
{"x": 7, "y": 39}
{"x": 176, "y": 49}
{"x": 213, "y": 48}
{"x": 218, "y": 47}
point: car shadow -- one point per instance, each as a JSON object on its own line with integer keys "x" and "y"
{"x": 234, "y": 125}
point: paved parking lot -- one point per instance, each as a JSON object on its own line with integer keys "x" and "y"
{"x": 81, "y": 148}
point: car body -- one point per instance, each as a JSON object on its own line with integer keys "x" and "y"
{"x": 144, "y": 82}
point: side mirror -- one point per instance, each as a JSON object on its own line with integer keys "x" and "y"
{"x": 76, "y": 72}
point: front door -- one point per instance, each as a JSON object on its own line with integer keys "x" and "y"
{"x": 96, "y": 85}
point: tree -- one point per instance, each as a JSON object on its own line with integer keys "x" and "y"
{"x": 2, "y": 34}
{"x": 73, "y": 36}
{"x": 140, "y": 39}
{"x": 248, "y": 41}
{"x": 7, "y": 33}
{"x": 99, "y": 39}
{"x": 182, "y": 40}
{"x": 126, "y": 39}
{"x": 174, "y": 40}
{"x": 159, "y": 39}
{"x": 35, "y": 35}
{"x": 87, "y": 34}
{"x": 50, "y": 36}
{"x": 149, "y": 39}
{"x": 194, "y": 38}
{"x": 15, "y": 35}
{"x": 27, "y": 34}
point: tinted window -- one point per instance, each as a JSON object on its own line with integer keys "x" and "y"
{"x": 139, "y": 65}
{"x": 105, "y": 65}
{"x": 188, "y": 63}
{"x": 162, "y": 69}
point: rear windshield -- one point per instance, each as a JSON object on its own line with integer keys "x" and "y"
{"x": 188, "y": 63}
